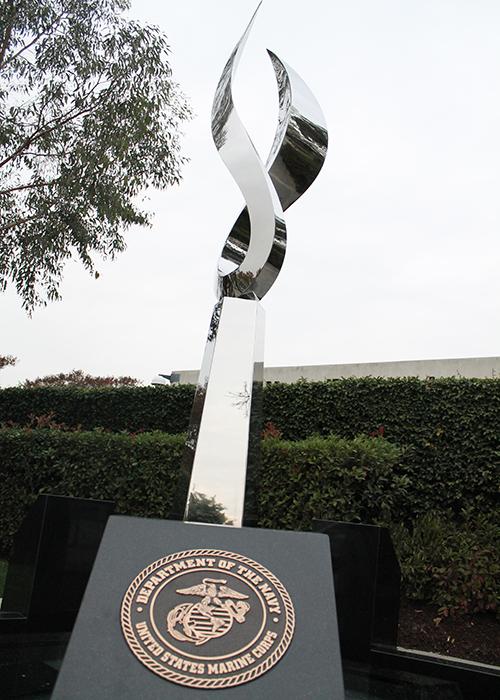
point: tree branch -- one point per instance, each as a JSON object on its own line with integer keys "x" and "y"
{"x": 33, "y": 41}
{"x": 20, "y": 222}
{"x": 42, "y": 131}
{"x": 36, "y": 154}
{"x": 7, "y": 33}
{"x": 31, "y": 185}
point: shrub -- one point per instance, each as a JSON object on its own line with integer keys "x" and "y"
{"x": 78, "y": 378}
{"x": 138, "y": 472}
{"x": 454, "y": 564}
{"x": 333, "y": 477}
{"x": 452, "y": 425}
{"x": 130, "y": 409}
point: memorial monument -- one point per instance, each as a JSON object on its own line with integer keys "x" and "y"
{"x": 178, "y": 609}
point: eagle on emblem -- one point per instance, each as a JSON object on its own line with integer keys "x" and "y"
{"x": 212, "y": 617}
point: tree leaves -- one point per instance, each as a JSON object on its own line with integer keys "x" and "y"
{"x": 89, "y": 116}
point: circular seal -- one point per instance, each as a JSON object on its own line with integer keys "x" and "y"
{"x": 207, "y": 618}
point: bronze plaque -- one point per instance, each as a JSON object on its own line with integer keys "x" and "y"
{"x": 207, "y": 618}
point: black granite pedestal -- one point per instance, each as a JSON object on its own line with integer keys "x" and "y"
{"x": 102, "y": 662}
{"x": 367, "y": 586}
{"x": 53, "y": 555}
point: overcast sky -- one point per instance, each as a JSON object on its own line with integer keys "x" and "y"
{"x": 393, "y": 253}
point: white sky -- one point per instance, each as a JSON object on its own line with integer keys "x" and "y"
{"x": 392, "y": 254}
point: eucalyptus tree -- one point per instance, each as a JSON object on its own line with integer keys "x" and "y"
{"x": 89, "y": 117}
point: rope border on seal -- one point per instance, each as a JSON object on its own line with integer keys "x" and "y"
{"x": 206, "y": 683}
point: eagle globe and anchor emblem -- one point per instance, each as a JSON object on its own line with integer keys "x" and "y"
{"x": 210, "y": 618}
{"x": 207, "y": 618}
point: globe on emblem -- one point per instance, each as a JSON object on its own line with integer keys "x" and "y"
{"x": 210, "y": 618}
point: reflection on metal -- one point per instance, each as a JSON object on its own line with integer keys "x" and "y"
{"x": 223, "y": 441}
{"x": 243, "y": 276}
{"x": 221, "y": 437}
{"x": 250, "y": 262}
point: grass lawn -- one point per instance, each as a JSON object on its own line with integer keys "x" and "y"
{"x": 3, "y": 574}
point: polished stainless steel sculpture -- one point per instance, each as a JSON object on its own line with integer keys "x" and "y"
{"x": 223, "y": 441}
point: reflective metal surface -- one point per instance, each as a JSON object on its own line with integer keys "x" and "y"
{"x": 221, "y": 445}
{"x": 254, "y": 251}
{"x": 243, "y": 277}
{"x": 223, "y": 442}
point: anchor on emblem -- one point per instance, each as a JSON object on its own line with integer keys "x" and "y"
{"x": 212, "y": 617}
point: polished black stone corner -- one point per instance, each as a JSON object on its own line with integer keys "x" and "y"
{"x": 367, "y": 586}
{"x": 54, "y": 551}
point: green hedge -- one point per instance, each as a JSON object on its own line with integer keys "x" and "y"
{"x": 333, "y": 478}
{"x": 129, "y": 409}
{"x": 452, "y": 426}
{"x": 455, "y": 565}
{"x": 356, "y": 480}
{"x": 137, "y": 472}
{"x": 453, "y": 562}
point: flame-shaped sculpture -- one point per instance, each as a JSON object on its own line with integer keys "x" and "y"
{"x": 254, "y": 251}
{"x": 224, "y": 433}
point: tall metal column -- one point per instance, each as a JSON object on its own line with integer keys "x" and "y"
{"x": 221, "y": 443}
